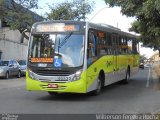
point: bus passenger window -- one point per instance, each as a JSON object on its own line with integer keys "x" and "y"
{"x": 91, "y": 48}
{"x": 123, "y": 45}
{"x": 102, "y": 43}
{"x": 92, "y": 45}
{"x": 134, "y": 45}
{"x": 129, "y": 44}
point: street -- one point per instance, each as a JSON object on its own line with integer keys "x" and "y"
{"x": 134, "y": 97}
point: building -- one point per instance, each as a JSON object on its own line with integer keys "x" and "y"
{"x": 156, "y": 57}
{"x": 11, "y": 46}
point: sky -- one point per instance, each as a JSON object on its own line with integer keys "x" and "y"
{"x": 102, "y": 14}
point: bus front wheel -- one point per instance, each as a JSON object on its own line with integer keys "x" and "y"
{"x": 98, "y": 88}
{"x": 53, "y": 93}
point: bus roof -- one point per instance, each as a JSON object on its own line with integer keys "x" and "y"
{"x": 111, "y": 29}
{"x": 98, "y": 26}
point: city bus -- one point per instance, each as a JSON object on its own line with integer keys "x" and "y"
{"x": 79, "y": 57}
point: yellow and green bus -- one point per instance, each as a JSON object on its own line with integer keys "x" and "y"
{"x": 79, "y": 57}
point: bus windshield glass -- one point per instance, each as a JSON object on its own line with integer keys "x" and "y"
{"x": 56, "y": 50}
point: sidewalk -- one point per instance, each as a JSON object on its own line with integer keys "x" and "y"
{"x": 156, "y": 79}
{"x": 156, "y": 75}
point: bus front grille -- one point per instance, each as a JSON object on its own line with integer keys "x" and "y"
{"x": 53, "y": 72}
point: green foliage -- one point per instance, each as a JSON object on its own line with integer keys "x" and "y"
{"x": 74, "y": 10}
{"x": 17, "y": 15}
{"x": 147, "y": 13}
{"x": 1, "y": 1}
{"x": 16, "y": 12}
{"x": 29, "y": 4}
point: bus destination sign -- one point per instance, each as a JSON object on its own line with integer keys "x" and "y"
{"x": 43, "y": 60}
{"x": 57, "y": 27}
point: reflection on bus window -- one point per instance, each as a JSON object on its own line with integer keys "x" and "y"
{"x": 67, "y": 47}
{"x": 91, "y": 48}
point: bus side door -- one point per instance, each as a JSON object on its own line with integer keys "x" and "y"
{"x": 115, "y": 52}
{"x": 91, "y": 58}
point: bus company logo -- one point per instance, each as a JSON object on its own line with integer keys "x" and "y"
{"x": 109, "y": 63}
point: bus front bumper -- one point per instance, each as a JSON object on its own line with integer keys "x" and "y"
{"x": 78, "y": 86}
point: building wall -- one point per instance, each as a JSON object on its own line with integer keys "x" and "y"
{"x": 10, "y": 45}
{"x": 0, "y": 23}
{"x": 156, "y": 57}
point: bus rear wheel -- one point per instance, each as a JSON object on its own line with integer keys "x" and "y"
{"x": 125, "y": 81}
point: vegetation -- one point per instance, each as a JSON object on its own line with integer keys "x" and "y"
{"x": 147, "y": 14}
{"x": 16, "y": 14}
{"x": 73, "y": 10}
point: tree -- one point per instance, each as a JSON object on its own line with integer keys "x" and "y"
{"x": 74, "y": 10}
{"x": 17, "y": 15}
{"x": 147, "y": 14}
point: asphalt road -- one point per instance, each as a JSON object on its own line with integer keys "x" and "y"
{"x": 134, "y": 97}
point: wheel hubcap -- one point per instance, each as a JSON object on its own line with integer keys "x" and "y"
{"x": 99, "y": 86}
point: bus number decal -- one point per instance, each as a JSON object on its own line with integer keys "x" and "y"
{"x": 64, "y": 78}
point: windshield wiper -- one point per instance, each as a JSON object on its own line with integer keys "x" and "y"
{"x": 60, "y": 44}
{"x": 65, "y": 40}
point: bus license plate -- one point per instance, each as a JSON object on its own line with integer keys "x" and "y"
{"x": 52, "y": 85}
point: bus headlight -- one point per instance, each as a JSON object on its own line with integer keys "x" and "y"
{"x": 77, "y": 75}
{"x": 31, "y": 74}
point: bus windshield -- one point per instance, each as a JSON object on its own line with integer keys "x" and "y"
{"x": 57, "y": 50}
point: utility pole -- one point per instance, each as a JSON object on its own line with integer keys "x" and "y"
{"x": 83, "y": 6}
{"x": 98, "y": 12}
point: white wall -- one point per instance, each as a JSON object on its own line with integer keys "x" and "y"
{"x": 0, "y": 23}
{"x": 13, "y": 35}
{"x": 10, "y": 45}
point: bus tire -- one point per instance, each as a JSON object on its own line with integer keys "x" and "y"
{"x": 125, "y": 81}
{"x": 53, "y": 93}
{"x": 98, "y": 87}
